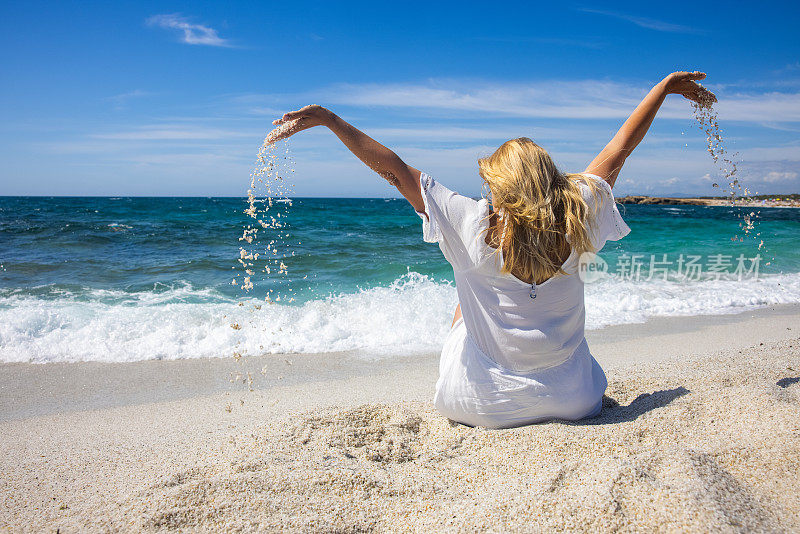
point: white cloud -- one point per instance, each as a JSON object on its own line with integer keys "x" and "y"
{"x": 122, "y": 99}
{"x": 557, "y": 41}
{"x": 172, "y": 132}
{"x": 194, "y": 34}
{"x": 790, "y": 67}
{"x": 767, "y": 107}
{"x": 488, "y": 132}
{"x": 773, "y": 177}
{"x": 773, "y": 153}
{"x": 644, "y": 22}
{"x": 584, "y": 99}
{"x": 580, "y": 99}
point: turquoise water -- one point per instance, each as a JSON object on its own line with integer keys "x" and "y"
{"x": 137, "y": 278}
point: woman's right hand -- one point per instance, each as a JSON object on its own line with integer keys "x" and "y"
{"x": 297, "y": 121}
{"x": 683, "y": 83}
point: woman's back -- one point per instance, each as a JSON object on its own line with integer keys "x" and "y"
{"x": 519, "y": 325}
{"x": 513, "y": 331}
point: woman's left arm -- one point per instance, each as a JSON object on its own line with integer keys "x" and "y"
{"x": 609, "y": 162}
{"x": 374, "y": 155}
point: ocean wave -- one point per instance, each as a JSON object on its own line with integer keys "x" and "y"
{"x": 411, "y": 315}
{"x": 614, "y": 301}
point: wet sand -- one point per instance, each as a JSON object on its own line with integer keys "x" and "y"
{"x": 700, "y": 432}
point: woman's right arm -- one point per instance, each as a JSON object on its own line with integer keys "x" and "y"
{"x": 609, "y": 162}
{"x": 374, "y": 155}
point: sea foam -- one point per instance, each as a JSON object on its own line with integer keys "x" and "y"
{"x": 411, "y": 315}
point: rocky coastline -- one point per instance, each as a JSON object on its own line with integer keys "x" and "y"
{"x": 777, "y": 202}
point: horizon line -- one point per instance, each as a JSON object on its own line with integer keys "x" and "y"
{"x": 687, "y": 195}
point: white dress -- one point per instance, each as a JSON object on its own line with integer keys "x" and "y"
{"x": 518, "y": 355}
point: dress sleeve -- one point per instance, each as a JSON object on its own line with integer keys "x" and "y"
{"x": 453, "y": 221}
{"x": 606, "y": 223}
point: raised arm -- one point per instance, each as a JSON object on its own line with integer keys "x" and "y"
{"x": 609, "y": 162}
{"x": 374, "y": 155}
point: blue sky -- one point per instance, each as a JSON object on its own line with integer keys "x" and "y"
{"x": 173, "y": 98}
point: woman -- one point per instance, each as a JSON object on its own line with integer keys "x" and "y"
{"x": 516, "y": 352}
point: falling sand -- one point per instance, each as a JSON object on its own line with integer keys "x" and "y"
{"x": 708, "y": 122}
{"x": 268, "y": 200}
{"x": 264, "y": 242}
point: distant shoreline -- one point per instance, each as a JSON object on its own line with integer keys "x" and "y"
{"x": 776, "y": 202}
{"x": 790, "y": 201}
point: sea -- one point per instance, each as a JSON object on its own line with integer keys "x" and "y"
{"x": 126, "y": 279}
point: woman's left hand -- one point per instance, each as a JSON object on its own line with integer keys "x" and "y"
{"x": 297, "y": 121}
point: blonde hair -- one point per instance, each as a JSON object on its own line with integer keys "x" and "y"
{"x": 538, "y": 208}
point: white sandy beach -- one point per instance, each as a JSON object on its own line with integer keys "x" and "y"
{"x": 700, "y": 432}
